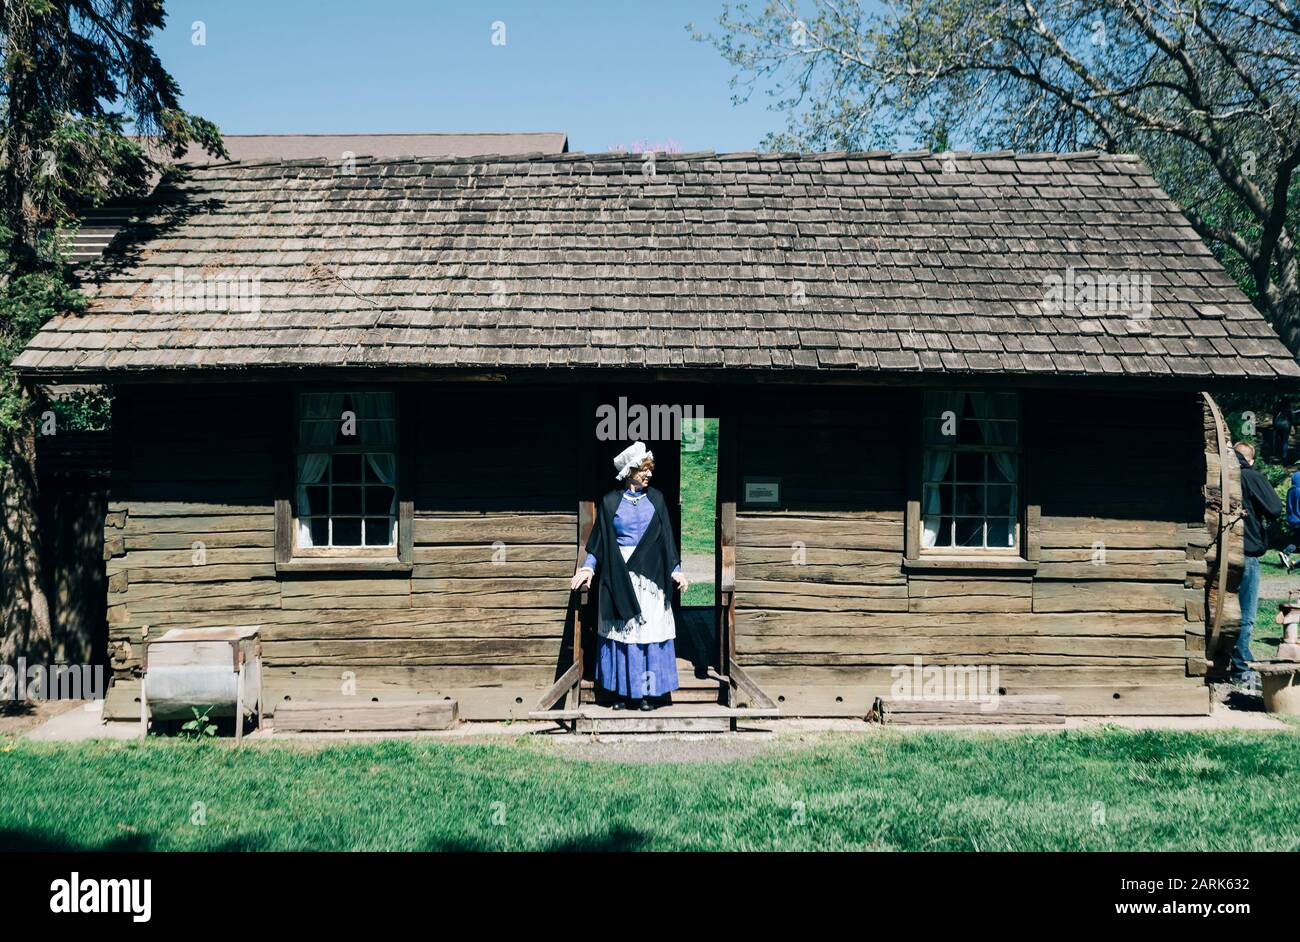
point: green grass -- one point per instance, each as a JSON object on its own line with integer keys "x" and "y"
{"x": 699, "y": 593}
{"x": 1270, "y": 564}
{"x": 1267, "y": 634}
{"x": 1108, "y": 790}
{"x": 699, "y": 487}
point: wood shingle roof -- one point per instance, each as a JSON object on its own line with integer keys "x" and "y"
{"x": 959, "y": 264}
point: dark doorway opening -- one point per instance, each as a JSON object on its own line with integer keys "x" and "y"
{"x": 682, "y": 432}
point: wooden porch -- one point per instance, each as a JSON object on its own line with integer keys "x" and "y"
{"x": 716, "y": 703}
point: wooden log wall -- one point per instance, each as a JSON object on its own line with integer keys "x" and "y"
{"x": 826, "y": 606}
{"x": 1111, "y": 619}
{"x": 479, "y": 616}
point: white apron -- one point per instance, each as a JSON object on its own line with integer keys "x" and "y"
{"x": 654, "y": 624}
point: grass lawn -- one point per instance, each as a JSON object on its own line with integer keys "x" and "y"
{"x": 1267, "y": 634}
{"x": 1108, "y": 790}
{"x": 700, "y": 593}
{"x": 699, "y": 486}
{"x": 1270, "y": 565}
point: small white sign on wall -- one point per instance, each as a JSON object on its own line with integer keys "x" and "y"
{"x": 763, "y": 492}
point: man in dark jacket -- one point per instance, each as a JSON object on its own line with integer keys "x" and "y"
{"x": 1261, "y": 504}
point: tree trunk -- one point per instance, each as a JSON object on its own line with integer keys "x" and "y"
{"x": 1286, "y": 310}
{"x": 26, "y": 608}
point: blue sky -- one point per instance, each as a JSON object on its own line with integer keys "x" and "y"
{"x": 609, "y": 73}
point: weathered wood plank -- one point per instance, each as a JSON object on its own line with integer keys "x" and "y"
{"x": 992, "y": 718}
{"x": 1116, "y": 557}
{"x": 245, "y": 539}
{"x": 412, "y": 653}
{"x": 184, "y": 557}
{"x": 961, "y": 624}
{"x": 887, "y": 574}
{"x": 866, "y": 531}
{"x": 1015, "y": 678}
{"x": 142, "y": 507}
{"x": 1109, "y": 596}
{"x": 206, "y": 596}
{"x": 1114, "y": 572}
{"x": 307, "y": 586}
{"x": 757, "y": 592}
{"x": 506, "y": 569}
{"x": 1109, "y": 533}
{"x": 842, "y": 646}
{"x": 479, "y": 529}
{"x": 197, "y": 527}
{"x": 650, "y": 723}
{"x": 938, "y": 587}
{"x": 855, "y": 699}
{"x": 1040, "y": 704}
{"x": 306, "y": 624}
{"x": 211, "y": 572}
{"x": 365, "y": 716}
{"x": 488, "y": 555}
{"x": 971, "y": 603}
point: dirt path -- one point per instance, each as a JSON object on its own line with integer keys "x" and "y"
{"x": 1277, "y": 586}
{"x": 698, "y": 568}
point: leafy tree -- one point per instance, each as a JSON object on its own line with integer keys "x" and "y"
{"x": 1206, "y": 91}
{"x": 85, "y": 105}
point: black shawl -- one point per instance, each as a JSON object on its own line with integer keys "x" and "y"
{"x": 655, "y": 557}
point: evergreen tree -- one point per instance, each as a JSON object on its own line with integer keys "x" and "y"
{"x": 87, "y": 113}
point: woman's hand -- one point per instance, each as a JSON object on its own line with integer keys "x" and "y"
{"x": 681, "y": 581}
{"x": 581, "y": 579}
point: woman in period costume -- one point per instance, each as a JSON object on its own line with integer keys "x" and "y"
{"x": 633, "y": 548}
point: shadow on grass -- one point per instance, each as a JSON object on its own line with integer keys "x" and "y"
{"x": 618, "y": 839}
{"x": 11, "y": 840}
{"x": 35, "y": 842}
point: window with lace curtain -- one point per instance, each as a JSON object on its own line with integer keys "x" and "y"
{"x": 345, "y": 495}
{"x": 970, "y": 472}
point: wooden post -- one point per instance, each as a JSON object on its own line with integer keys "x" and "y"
{"x": 239, "y": 705}
{"x": 281, "y": 412}
{"x": 144, "y": 678}
{"x": 586, "y": 520}
{"x": 912, "y": 486}
{"x": 257, "y": 653}
{"x": 727, "y": 621}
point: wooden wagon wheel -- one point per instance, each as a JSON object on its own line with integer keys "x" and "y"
{"x": 1228, "y": 516}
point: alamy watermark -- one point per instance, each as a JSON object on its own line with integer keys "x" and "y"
{"x": 51, "y": 681}
{"x": 977, "y": 683}
{"x": 224, "y": 292}
{"x": 1126, "y": 294}
{"x": 78, "y": 894}
{"x": 636, "y": 422}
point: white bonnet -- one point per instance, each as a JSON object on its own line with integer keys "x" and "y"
{"x": 630, "y": 458}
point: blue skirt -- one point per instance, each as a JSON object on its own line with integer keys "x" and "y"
{"x": 636, "y": 670}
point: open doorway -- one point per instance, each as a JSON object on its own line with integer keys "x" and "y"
{"x": 699, "y": 502}
{"x": 686, "y": 473}
{"x": 698, "y": 493}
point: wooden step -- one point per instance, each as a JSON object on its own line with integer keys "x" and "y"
{"x": 301, "y": 716}
{"x": 691, "y": 689}
{"x": 676, "y": 718}
{"x": 649, "y": 723}
{"x": 683, "y": 695}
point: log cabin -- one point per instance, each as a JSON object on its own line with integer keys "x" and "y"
{"x": 963, "y": 403}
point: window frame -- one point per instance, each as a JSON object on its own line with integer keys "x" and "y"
{"x": 290, "y": 555}
{"x": 1023, "y": 555}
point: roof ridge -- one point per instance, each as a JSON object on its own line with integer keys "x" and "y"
{"x": 572, "y": 156}
{"x": 402, "y": 134}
